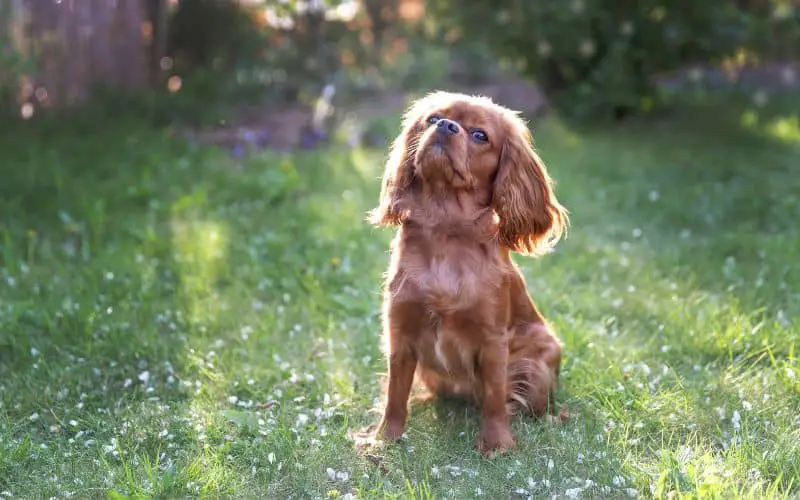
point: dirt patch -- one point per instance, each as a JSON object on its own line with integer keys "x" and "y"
{"x": 281, "y": 128}
{"x": 286, "y": 128}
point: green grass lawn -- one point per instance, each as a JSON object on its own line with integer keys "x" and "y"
{"x": 174, "y": 322}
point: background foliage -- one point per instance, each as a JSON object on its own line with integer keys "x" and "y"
{"x": 602, "y": 56}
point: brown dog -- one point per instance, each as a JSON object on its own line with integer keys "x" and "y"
{"x": 466, "y": 188}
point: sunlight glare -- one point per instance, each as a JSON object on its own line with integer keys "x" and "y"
{"x": 786, "y": 129}
{"x": 200, "y": 249}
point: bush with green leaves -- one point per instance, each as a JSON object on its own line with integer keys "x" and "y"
{"x": 599, "y": 57}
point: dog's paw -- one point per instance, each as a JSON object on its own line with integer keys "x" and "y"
{"x": 495, "y": 440}
{"x": 391, "y": 430}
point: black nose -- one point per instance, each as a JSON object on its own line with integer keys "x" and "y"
{"x": 447, "y": 127}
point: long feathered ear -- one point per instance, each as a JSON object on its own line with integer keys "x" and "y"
{"x": 531, "y": 219}
{"x": 398, "y": 174}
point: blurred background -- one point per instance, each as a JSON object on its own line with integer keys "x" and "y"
{"x": 292, "y": 73}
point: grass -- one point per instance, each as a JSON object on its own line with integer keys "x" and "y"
{"x": 174, "y": 322}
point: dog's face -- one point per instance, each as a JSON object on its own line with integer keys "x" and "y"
{"x": 459, "y": 141}
{"x": 455, "y": 142}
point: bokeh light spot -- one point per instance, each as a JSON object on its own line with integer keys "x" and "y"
{"x": 174, "y": 83}
{"x": 26, "y": 111}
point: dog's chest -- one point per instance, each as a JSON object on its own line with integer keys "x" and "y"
{"x": 444, "y": 274}
{"x": 448, "y": 283}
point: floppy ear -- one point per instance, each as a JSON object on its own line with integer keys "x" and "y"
{"x": 531, "y": 219}
{"x": 398, "y": 174}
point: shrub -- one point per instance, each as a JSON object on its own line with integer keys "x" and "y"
{"x": 600, "y": 57}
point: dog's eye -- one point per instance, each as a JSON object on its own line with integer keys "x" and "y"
{"x": 479, "y": 135}
{"x": 434, "y": 118}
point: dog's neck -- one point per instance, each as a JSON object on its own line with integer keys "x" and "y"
{"x": 464, "y": 211}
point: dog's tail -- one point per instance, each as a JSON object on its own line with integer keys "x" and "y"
{"x": 533, "y": 368}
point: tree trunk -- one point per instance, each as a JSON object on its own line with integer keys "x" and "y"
{"x": 129, "y": 58}
{"x": 102, "y": 58}
{"x": 158, "y": 15}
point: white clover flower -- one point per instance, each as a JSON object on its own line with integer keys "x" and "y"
{"x": 736, "y": 420}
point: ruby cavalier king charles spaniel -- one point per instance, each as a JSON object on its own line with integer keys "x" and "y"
{"x": 465, "y": 188}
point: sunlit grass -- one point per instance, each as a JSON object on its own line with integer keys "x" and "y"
{"x": 185, "y": 325}
{"x": 200, "y": 251}
{"x": 786, "y": 129}
{"x": 783, "y": 128}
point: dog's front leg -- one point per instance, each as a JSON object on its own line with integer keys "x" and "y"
{"x": 495, "y": 434}
{"x": 402, "y": 323}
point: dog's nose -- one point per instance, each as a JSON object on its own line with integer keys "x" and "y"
{"x": 447, "y": 127}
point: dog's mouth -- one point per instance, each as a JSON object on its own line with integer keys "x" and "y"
{"x": 439, "y": 158}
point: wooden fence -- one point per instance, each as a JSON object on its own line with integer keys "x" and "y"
{"x": 71, "y": 47}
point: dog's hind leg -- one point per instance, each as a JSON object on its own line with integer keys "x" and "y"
{"x": 533, "y": 369}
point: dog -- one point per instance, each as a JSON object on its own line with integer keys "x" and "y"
{"x": 465, "y": 188}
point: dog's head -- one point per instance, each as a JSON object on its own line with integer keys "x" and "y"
{"x": 456, "y": 142}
